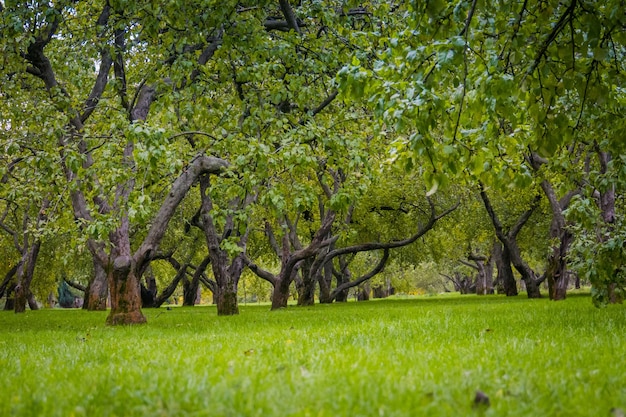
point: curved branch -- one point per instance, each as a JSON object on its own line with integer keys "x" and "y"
{"x": 378, "y": 269}
{"x": 290, "y": 16}
{"x": 260, "y": 272}
{"x": 202, "y": 164}
{"x": 396, "y": 243}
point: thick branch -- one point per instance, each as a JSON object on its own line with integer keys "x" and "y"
{"x": 8, "y": 277}
{"x": 515, "y": 229}
{"x": 76, "y": 285}
{"x": 359, "y": 281}
{"x": 471, "y": 265}
{"x": 269, "y": 232}
{"x": 200, "y": 165}
{"x": 169, "y": 290}
{"x": 103, "y": 73}
{"x": 99, "y": 86}
{"x": 290, "y": 16}
{"x": 434, "y": 217}
{"x": 260, "y": 272}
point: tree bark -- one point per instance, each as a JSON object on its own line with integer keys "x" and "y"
{"x": 607, "y": 208}
{"x": 97, "y": 291}
{"x": 364, "y": 292}
{"x": 505, "y": 272}
{"x": 125, "y": 293}
{"x": 306, "y": 290}
{"x": 556, "y": 271}
{"x": 25, "y": 277}
{"x": 227, "y": 273}
{"x": 509, "y": 240}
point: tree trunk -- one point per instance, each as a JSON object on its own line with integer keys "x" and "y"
{"x": 556, "y": 273}
{"x": 364, "y": 292}
{"x": 607, "y": 207}
{"x": 530, "y": 280}
{"x": 509, "y": 240}
{"x": 10, "y": 300}
{"x": 190, "y": 292}
{"x": 505, "y": 272}
{"x": 97, "y": 291}
{"x": 280, "y": 295}
{"x": 125, "y": 293}
{"x": 25, "y": 277}
{"x": 325, "y": 282}
{"x": 226, "y": 299}
{"x": 484, "y": 281}
{"x": 380, "y": 291}
{"x": 344, "y": 276}
{"x": 306, "y": 291}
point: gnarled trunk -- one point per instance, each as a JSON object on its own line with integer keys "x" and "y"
{"x": 125, "y": 293}
{"x": 190, "y": 292}
{"x": 325, "y": 281}
{"x": 97, "y": 292}
{"x": 226, "y": 299}
{"x": 509, "y": 240}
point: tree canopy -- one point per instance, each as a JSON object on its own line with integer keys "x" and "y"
{"x": 290, "y": 136}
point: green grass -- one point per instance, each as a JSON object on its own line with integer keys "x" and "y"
{"x": 424, "y": 356}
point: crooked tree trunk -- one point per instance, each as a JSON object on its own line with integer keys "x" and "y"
{"x": 226, "y": 298}
{"x": 306, "y": 293}
{"x": 509, "y": 240}
{"x": 325, "y": 281}
{"x": 190, "y": 292}
{"x": 607, "y": 207}
{"x": 97, "y": 292}
{"x": 10, "y": 300}
{"x": 556, "y": 271}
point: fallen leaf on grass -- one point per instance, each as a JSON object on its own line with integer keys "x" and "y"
{"x": 481, "y": 399}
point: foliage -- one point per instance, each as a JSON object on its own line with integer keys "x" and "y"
{"x": 599, "y": 251}
{"x": 426, "y": 356}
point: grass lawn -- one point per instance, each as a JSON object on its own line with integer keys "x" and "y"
{"x": 425, "y": 356}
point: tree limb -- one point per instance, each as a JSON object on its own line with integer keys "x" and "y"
{"x": 379, "y": 267}
{"x": 290, "y": 16}
{"x": 260, "y": 272}
{"x": 200, "y": 165}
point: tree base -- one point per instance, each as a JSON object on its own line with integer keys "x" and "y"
{"x": 134, "y": 317}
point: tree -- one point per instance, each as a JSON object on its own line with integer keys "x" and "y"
{"x": 110, "y": 244}
{"x": 475, "y": 87}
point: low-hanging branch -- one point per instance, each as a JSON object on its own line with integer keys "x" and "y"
{"x": 434, "y": 217}
{"x": 377, "y": 269}
{"x": 365, "y": 247}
